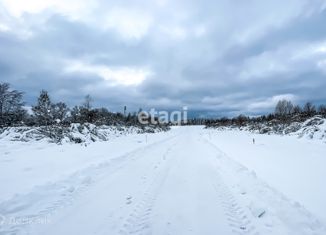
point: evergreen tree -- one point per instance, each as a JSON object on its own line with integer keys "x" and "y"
{"x": 43, "y": 111}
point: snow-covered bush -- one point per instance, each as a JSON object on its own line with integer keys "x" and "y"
{"x": 312, "y": 128}
{"x": 74, "y": 133}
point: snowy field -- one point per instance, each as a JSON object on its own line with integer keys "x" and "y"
{"x": 186, "y": 181}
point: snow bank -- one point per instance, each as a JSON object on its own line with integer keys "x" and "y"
{"x": 294, "y": 166}
{"x": 75, "y": 133}
{"x": 268, "y": 209}
{"x": 313, "y": 128}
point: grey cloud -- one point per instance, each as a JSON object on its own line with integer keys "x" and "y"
{"x": 196, "y": 52}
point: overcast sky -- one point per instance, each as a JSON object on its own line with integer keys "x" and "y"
{"x": 225, "y": 56}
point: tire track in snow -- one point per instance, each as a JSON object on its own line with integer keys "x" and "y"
{"x": 236, "y": 215}
{"x": 238, "y": 219}
{"x": 138, "y": 221}
{"x": 282, "y": 214}
{"x": 45, "y": 200}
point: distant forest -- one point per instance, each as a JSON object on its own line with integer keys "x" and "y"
{"x": 285, "y": 113}
{"x": 45, "y": 112}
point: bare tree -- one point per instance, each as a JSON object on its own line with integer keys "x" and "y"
{"x": 88, "y": 102}
{"x": 283, "y": 108}
{"x": 297, "y": 109}
{"x": 11, "y": 104}
{"x": 322, "y": 110}
{"x": 309, "y": 109}
{"x": 60, "y": 111}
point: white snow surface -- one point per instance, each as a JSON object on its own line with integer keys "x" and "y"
{"x": 189, "y": 180}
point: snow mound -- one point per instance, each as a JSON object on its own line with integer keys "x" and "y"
{"x": 75, "y": 133}
{"x": 313, "y": 128}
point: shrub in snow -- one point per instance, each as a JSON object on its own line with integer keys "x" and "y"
{"x": 312, "y": 128}
{"x": 74, "y": 133}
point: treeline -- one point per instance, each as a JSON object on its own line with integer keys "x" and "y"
{"x": 45, "y": 112}
{"x": 285, "y": 113}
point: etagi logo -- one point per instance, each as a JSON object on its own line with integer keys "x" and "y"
{"x": 163, "y": 117}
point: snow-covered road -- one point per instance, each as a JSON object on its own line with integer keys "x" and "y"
{"x": 179, "y": 184}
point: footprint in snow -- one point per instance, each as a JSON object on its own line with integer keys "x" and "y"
{"x": 128, "y": 200}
